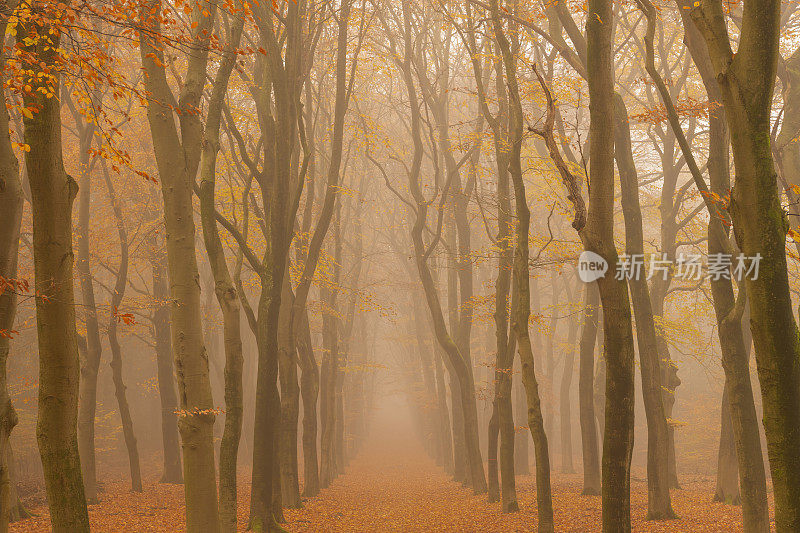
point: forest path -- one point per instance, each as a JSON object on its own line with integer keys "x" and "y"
{"x": 393, "y": 486}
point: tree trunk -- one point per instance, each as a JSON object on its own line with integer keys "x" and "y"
{"x": 520, "y": 300}
{"x": 311, "y": 382}
{"x": 309, "y": 389}
{"x": 565, "y": 408}
{"x": 659, "y": 506}
{"x": 502, "y": 420}
{"x": 173, "y": 471}
{"x": 549, "y": 363}
{"x": 11, "y": 205}
{"x": 599, "y": 237}
{"x": 327, "y": 384}
{"x": 589, "y": 442}
{"x": 113, "y": 340}
{"x": 727, "y": 487}
{"x": 461, "y": 368}
{"x": 729, "y": 310}
{"x": 444, "y": 414}
{"x": 460, "y": 468}
{"x": 224, "y": 288}
{"x": 177, "y": 158}
{"x": 52, "y": 195}
{"x": 522, "y": 466}
{"x": 330, "y": 363}
{"x": 90, "y": 363}
{"x": 290, "y": 403}
{"x": 747, "y": 80}
{"x": 432, "y": 428}
{"x": 739, "y": 415}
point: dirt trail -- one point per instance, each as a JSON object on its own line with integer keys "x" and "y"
{"x": 392, "y": 486}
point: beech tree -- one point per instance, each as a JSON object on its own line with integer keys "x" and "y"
{"x": 52, "y": 196}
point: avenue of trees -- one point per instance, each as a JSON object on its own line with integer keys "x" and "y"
{"x": 229, "y": 227}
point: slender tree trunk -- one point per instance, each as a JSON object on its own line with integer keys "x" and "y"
{"x": 589, "y": 442}
{"x": 309, "y": 389}
{"x": 727, "y": 487}
{"x": 659, "y": 506}
{"x": 747, "y": 80}
{"x": 290, "y": 403}
{"x": 565, "y": 409}
{"x": 177, "y": 158}
{"x": 460, "y": 468}
{"x": 738, "y": 405}
{"x": 444, "y": 414}
{"x": 11, "y": 205}
{"x": 522, "y": 466}
{"x": 52, "y": 195}
{"x": 113, "y": 340}
{"x": 327, "y": 384}
{"x": 173, "y": 471}
{"x": 549, "y": 362}
{"x": 224, "y": 288}
{"x": 729, "y": 310}
{"x": 502, "y": 420}
{"x": 90, "y": 363}
{"x": 520, "y": 300}
{"x": 599, "y": 237}
{"x": 309, "y": 378}
{"x": 432, "y": 429}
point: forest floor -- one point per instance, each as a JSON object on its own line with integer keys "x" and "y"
{"x": 393, "y": 486}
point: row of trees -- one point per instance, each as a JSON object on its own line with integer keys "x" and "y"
{"x": 304, "y": 136}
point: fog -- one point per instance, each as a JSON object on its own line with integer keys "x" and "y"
{"x": 369, "y": 265}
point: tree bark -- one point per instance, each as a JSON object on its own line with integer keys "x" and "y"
{"x": 113, "y": 339}
{"x": 309, "y": 389}
{"x": 522, "y": 465}
{"x": 52, "y": 196}
{"x": 170, "y": 440}
{"x": 599, "y": 238}
{"x": 727, "y": 487}
{"x": 589, "y": 441}
{"x": 444, "y": 414}
{"x": 659, "y": 506}
{"x": 90, "y": 363}
{"x": 520, "y": 301}
{"x": 564, "y": 405}
{"x": 502, "y": 420}
{"x": 290, "y": 403}
{"x": 729, "y": 310}
{"x": 11, "y": 204}
{"x": 330, "y": 341}
{"x": 747, "y": 80}
{"x": 177, "y": 158}
{"x": 224, "y": 288}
